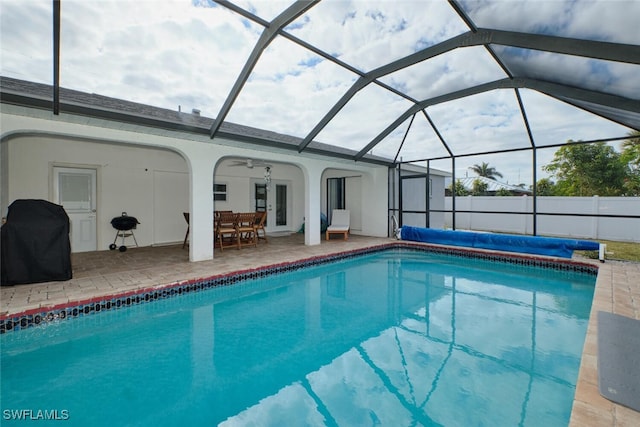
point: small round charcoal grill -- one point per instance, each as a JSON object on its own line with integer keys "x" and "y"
{"x": 124, "y": 226}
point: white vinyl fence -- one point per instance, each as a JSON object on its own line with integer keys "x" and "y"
{"x": 581, "y": 227}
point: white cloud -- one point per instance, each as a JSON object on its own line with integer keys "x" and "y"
{"x": 155, "y": 52}
{"x": 598, "y": 75}
{"x": 26, "y": 45}
{"x": 421, "y": 142}
{"x": 617, "y": 20}
{"x": 613, "y": 20}
{"x": 483, "y": 122}
{"x": 446, "y": 73}
{"x": 554, "y": 122}
{"x": 368, "y": 34}
{"x": 363, "y": 118}
{"x": 290, "y": 90}
{"x": 266, "y": 9}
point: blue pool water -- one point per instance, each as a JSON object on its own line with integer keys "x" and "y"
{"x": 394, "y": 338}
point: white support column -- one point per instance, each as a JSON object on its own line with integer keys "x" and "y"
{"x": 201, "y": 206}
{"x": 313, "y": 176}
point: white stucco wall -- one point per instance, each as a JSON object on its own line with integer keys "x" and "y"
{"x": 150, "y": 158}
{"x": 130, "y": 179}
{"x": 239, "y": 180}
{"x": 355, "y": 200}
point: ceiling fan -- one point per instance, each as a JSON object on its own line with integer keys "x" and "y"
{"x": 250, "y": 163}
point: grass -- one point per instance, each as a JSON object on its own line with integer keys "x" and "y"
{"x": 623, "y": 251}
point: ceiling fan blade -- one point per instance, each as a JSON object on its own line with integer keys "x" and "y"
{"x": 261, "y": 163}
{"x": 250, "y": 163}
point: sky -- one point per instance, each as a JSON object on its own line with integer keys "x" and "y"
{"x": 186, "y": 54}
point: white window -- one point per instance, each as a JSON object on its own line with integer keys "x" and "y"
{"x": 220, "y": 192}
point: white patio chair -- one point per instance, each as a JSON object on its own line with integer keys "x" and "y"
{"x": 340, "y": 220}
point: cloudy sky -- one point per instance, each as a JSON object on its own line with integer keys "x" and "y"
{"x": 187, "y": 54}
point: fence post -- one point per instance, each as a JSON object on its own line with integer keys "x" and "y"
{"x": 470, "y": 214}
{"x": 525, "y": 218}
{"x": 595, "y": 209}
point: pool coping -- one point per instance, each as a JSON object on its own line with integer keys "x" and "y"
{"x": 13, "y": 322}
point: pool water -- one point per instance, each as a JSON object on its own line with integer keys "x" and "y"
{"x": 394, "y": 338}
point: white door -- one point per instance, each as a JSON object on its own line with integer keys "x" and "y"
{"x": 276, "y": 200}
{"x": 75, "y": 189}
{"x": 279, "y": 206}
{"x": 170, "y": 200}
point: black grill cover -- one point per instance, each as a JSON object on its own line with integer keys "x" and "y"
{"x": 35, "y": 243}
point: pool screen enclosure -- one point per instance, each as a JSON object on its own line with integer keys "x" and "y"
{"x": 509, "y": 58}
{"x": 387, "y": 83}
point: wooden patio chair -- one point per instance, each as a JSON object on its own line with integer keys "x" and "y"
{"x": 340, "y": 220}
{"x": 260, "y": 219}
{"x": 216, "y": 214}
{"x": 226, "y": 230}
{"x": 246, "y": 229}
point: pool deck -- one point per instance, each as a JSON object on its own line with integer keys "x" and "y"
{"x": 106, "y": 273}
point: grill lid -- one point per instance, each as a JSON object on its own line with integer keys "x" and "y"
{"x": 124, "y": 222}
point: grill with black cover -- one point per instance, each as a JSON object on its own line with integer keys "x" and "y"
{"x": 35, "y": 243}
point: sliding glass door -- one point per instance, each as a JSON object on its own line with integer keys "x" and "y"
{"x": 335, "y": 195}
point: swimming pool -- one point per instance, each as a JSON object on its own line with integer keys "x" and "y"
{"x": 397, "y": 337}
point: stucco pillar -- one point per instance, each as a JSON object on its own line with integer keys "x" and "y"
{"x": 201, "y": 206}
{"x": 313, "y": 175}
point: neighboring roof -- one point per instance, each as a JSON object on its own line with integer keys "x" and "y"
{"x": 492, "y": 185}
{"x": 419, "y": 170}
{"x": 406, "y": 80}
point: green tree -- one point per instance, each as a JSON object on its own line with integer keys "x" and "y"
{"x": 504, "y": 192}
{"x": 588, "y": 170}
{"x": 630, "y": 156}
{"x": 486, "y": 171}
{"x": 479, "y": 187}
{"x": 457, "y": 188}
{"x": 545, "y": 187}
{"x": 631, "y": 150}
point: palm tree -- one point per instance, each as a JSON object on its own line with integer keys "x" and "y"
{"x": 479, "y": 187}
{"x": 458, "y": 188}
{"x": 485, "y": 170}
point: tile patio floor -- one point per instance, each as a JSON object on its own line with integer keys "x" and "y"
{"x": 109, "y": 272}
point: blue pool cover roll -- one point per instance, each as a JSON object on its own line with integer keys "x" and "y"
{"x": 550, "y": 246}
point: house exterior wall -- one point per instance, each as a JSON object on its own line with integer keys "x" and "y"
{"x": 355, "y": 196}
{"x": 414, "y": 198}
{"x": 240, "y": 179}
{"x": 169, "y": 156}
{"x": 150, "y": 184}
